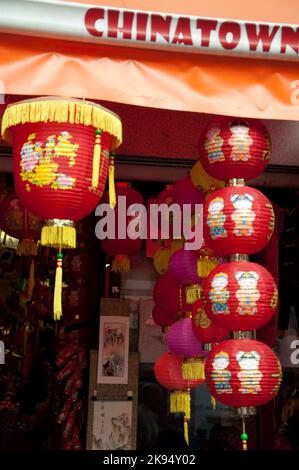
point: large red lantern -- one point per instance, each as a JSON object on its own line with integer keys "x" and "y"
{"x": 243, "y": 373}
{"x": 122, "y": 247}
{"x": 181, "y": 341}
{"x": 203, "y": 328}
{"x": 169, "y": 296}
{"x": 237, "y": 219}
{"x": 234, "y": 148}
{"x": 240, "y": 296}
{"x": 61, "y": 151}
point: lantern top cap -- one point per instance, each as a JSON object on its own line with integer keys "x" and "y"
{"x": 62, "y": 110}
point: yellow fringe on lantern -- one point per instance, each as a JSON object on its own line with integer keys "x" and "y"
{"x": 27, "y": 247}
{"x": 193, "y": 293}
{"x": 186, "y": 430}
{"x": 58, "y": 236}
{"x": 213, "y": 402}
{"x": 57, "y": 303}
{"x": 180, "y": 402}
{"x": 96, "y": 162}
{"x": 31, "y": 282}
{"x": 205, "y": 266}
{"x": 193, "y": 369}
{"x": 112, "y": 193}
{"x": 121, "y": 264}
{"x": 62, "y": 110}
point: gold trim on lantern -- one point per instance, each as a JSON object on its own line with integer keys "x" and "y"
{"x": 193, "y": 368}
{"x": 205, "y": 265}
{"x": 62, "y": 110}
{"x": 59, "y": 234}
{"x": 239, "y": 257}
{"x": 193, "y": 293}
{"x": 235, "y": 182}
{"x": 180, "y": 402}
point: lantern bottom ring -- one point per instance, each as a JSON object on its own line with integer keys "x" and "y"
{"x": 246, "y": 411}
{"x": 59, "y": 233}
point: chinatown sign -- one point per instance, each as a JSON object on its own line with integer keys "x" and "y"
{"x": 133, "y": 28}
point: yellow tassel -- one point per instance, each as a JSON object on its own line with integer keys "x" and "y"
{"x": 186, "y": 430}
{"x": 193, "y": 369}
{"x": 205, "y": 266}
{"x": 112, "y": 194}
{"x": 213, "y": 403}
{"x": 180, "y": 402}
{"x": 57, "y": 305}
{"x": 121, "y": 264}
{"x": 27, "y": 247}
{"x": 62, "y": 110}
{"x": 96, "y": 160}
{"x": 31, "y": 282}
{"x": 193, "y": 293}
{"x": 58, "y": 236}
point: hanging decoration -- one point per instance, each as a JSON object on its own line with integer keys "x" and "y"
{"x": 183, "y": 267}
{"x": 61, "y": 150}
{"x": 164, "y": 318}
{"x": 234, "y": 148}
{"x": 168, "y": 373}
{"x": 185, "y": 193}
{"x": 237, "y": 219}
{"x": 243, "y": 373}
{"x": 240, "y": 296}
{"x": 203, "y": 181}
{"x": 123, "y": 245}
{"x": 181, "y": 341}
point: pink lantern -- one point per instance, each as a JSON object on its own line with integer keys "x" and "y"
{"x": 181, "y": 341}
{"x": 184, "y": 192}
{"x": 183, "y": 267}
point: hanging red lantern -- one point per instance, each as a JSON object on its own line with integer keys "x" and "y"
{"x": 61, "y": 151}
{"x": 122, "y": 246}
{"x": 234, "y": 148}
{"x": 240, "y": 296}
{"x": 203, "y": 328}
{"x": 237, "y": 219}
{"x": 168, "y": 373}
{"x": 181, "y": 341}
{"x": 183, "y": 267}
{"x": 164, "y": 222}
{"x": 164, "y": 318}
{"x": 243, "y": 373}
{"x": 185, "y": 193}
{"x": 169, "y": 296}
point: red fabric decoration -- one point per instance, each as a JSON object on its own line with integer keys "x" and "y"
{"x": 240, "y": 296}
{"x": 122, "y": 247}
{"x": 16, "y": 221}
{"x": 169, "y": 296}
{"x": 237, "y": 220}
{"x": 163, "y": 317}
{"x": 168, "y": 372}
{"x": 243, "y": 373}
{"x": 203, "y": 328}
{"x": 234, "y": 148}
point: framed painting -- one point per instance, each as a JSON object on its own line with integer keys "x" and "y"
{"x": 112, "y": 425}
{"x": 113, "y": 350}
